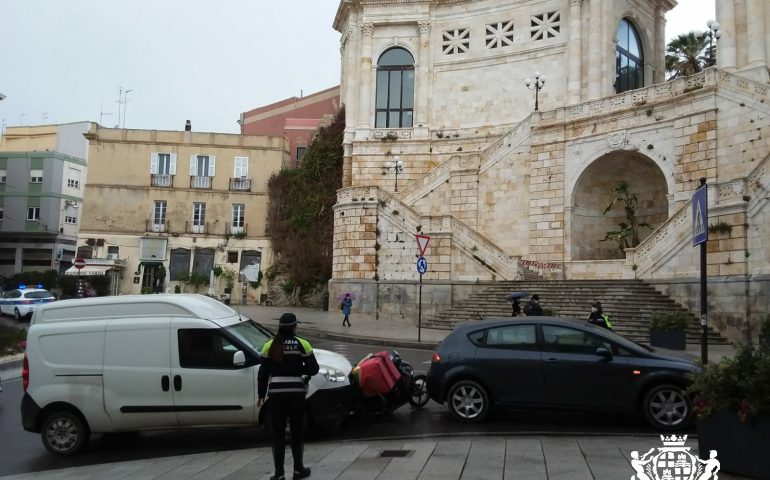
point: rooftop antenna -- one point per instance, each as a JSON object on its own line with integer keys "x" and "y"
{"x": 102, "y": 113}
{"x": 122, "y": 100}
{"x": 45, "y": 117}
{"x": 22, "y": 118}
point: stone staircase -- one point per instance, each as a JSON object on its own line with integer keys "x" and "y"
{"x": 629, "y": 303}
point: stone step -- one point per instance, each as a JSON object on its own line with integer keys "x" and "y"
{"x": 630, "y": 303}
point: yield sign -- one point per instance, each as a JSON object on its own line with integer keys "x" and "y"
{"x": 422, "y": 242}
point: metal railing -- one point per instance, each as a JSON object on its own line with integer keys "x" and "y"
{"x": 161, "y": 180}
{"x": 190, "y": 227}
{"x": 157, "y": 226}
{"x": 240, "y": 184}
{"x": 200, "y": 182}
{"x": 234, "y": 230}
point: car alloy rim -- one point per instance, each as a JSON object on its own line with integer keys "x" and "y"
{"x": 467, "y": 401}
{"x": 668, "y": 407}
{"x": 62, "y": 434}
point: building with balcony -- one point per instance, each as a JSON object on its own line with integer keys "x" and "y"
{"x": 295, "y": 118}
{"x": 174, "y": 203}
{"x": 42, "y": 174}
{"x": 499, "y": 185}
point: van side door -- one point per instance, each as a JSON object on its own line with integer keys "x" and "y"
{"x": 208, "y": 388}
{"x": 137, "y": 373}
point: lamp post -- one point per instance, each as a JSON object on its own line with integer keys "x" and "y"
{"x": 713, "y": 34}
{"x": 396, "y": 166}
{"x": 536, "y": 86}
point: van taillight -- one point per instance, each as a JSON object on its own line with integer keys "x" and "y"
{"x": 436, "y": 358}
{"x": 25, "y": 373}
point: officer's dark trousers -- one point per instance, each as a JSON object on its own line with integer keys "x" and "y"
{"x": 289, "y": 406}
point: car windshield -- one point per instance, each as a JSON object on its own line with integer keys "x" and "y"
{"x": 250, "y": 333}
{"x": 38, "y": 294}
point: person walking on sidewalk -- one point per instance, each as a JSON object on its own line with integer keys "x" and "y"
{"x": 286, "y": 364}
{"x": 347, "y": 302}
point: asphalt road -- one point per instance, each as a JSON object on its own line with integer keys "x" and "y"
{"x": 22, "y": 452}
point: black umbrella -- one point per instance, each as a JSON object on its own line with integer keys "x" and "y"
{"x": 517, "y": 295}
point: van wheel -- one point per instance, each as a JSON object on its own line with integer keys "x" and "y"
{"x": 468, "y": 401}
{"x": 64, "y": 433}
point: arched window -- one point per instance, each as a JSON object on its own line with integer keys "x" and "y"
{"x": 629, "y": 58}
{"x": 395, "y": 89}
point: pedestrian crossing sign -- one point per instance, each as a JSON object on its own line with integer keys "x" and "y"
{"x": 700, "y": 217}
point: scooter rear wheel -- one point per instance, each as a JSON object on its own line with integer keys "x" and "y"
{"x": 418, "y": 391}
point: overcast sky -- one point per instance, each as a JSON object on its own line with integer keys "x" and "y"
{"x": 66, "y": 60}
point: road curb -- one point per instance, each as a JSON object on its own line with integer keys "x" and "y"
{"x": 13, "y": 361}
{"x": 385, "y": 342}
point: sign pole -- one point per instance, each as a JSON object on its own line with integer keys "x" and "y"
{"x": 419, "y": 313}
{"x": 422, "y": 267}
{"x": 704, "y": 349}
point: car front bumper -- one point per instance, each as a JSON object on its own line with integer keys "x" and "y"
{"x": 329, "y": 406}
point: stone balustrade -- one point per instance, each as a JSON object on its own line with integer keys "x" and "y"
{"x": 483, "y": 250}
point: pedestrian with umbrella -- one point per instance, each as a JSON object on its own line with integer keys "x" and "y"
{"x": 514, "y": 297}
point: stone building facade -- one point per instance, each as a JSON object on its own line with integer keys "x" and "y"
{"x": 169, "y": 203}
{"x": 440, "y": 86}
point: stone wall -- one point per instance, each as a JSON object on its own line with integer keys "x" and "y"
{"x": 736, "y": 305}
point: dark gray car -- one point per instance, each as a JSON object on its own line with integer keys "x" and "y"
{"x": 556, "y": 363}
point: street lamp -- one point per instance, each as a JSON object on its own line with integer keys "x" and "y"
{"x": 713, "y": 34}
{"x": 536, "y": 86}
{"x": 396, "y": 166}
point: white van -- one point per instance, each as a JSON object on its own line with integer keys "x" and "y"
{"x": 137, "y": 362}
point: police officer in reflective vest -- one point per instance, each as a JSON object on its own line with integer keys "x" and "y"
{"x": 597, "y": 316}
{"x": 285, "y": 360}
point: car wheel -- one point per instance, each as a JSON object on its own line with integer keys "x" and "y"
{"x": 468, "y": 401}
{"x": 64, "y": 433}
{"x": 418, "y": 391}
{"x": 667, "y": 407}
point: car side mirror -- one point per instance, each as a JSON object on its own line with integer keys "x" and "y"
{"x": 239, "y": 359}
{"x": 604, "y": 353}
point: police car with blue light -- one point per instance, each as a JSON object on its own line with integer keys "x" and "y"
{"x": 23, "y": 301}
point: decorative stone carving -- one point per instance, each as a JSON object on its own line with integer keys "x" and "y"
{"x": 367, "y": 29}
{"x": 424, "y": 26}
{"x": 617, "y": 139}
{"x": 392, "y": 133}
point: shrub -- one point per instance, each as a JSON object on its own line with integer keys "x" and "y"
{"x": 11, "y": 339}
{"x": 669, "y": 321}
{"x": 740, "y": 384}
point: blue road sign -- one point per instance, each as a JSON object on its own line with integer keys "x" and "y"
{"x": 700, "y": 216}
{"x": 422, "y": 265}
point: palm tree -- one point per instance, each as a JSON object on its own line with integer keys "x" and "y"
{"x": 686, "y": 55}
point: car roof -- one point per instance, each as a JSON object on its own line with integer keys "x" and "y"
{"x": 30, "y": 290}
{"x": 94, "y": 308}
{"x": 494, "y": 322}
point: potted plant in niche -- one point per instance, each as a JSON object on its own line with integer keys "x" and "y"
{"x": 732, "y": 408}
{"x": 667, "y": 330}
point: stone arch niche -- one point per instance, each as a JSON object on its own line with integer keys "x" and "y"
{"x": 593, "y": 193}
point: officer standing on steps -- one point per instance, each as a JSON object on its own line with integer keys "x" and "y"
{"x": 287, "y": 361}
{"x": 597, "y": 316}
